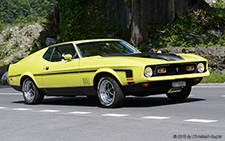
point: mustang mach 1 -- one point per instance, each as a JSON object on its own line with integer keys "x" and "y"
{"x": 109, "y": 69}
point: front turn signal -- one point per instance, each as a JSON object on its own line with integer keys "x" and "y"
{"x": 145, "y": 85}
{"x": 197, "y": 80}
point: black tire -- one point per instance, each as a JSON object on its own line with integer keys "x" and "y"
{"x": 109, "y": 92}
{"x": 180, "y": 96}
{"x": 30, "y": 91}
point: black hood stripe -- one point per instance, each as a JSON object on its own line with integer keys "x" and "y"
{"x": 162, "y": 56}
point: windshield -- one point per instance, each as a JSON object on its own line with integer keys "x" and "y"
{"x": 106, "y": 48}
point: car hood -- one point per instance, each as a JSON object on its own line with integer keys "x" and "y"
{"x": 161, "y": 56}
{"x": 146, "y": 57}
{"x": 155, "y": 58}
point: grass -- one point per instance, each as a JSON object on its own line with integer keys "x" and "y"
{"x": 214, "y": 78}
{"x": 1, "y": 64}
{"x": 3, "y": 83}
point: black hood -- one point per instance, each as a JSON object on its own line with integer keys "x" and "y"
{"x": 162, "y": 56}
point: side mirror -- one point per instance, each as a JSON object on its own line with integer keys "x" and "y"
{"x": 68, "y": 57}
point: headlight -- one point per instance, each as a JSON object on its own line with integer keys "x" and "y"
{"x": 148, "y": 72}
{"x": 200, "y": 67}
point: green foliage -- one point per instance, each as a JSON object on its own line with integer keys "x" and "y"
{"x": 1, "y": 64}
{"x": 219, "y": 4}
{"x": 36, "y": 46}
{"x": 3, "y": 83}
{"x": 128, "y": 3}
{"x": 9, "y": 35}
{"x": 199, "y": 28}
{"x": 82, "y": 20}
{"x": 215, "y": 77}
{"x": 24, "y": 11}
{"x": 14, "y": 46}
{"x": 1, "y": 26}
{"x": 143, "y": 47}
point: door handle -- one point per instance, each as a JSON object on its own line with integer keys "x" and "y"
{"x": 47, "y": 68}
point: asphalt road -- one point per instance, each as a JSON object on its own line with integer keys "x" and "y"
{"x": 155, "y": 118}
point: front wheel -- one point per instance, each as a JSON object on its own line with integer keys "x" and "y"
{"x": 109, "y": 92}
{"x": 30, "y": 92}
{"x": 180, "y": 96}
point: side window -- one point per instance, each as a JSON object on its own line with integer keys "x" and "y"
{"x": 57, "y": 53}
{"x": 68, "y": 49}
{"x": 48, "y": 53}
{"x": 56, "y": 56}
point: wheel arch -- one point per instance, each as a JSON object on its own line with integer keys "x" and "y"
{"x": 27, "y": 75}
{"x": 106, "y": 72}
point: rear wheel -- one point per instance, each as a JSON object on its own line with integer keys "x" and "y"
{"x": 30, "y": 92}
{"x": 180, "y": 96}
{"x": 109, "y": 92}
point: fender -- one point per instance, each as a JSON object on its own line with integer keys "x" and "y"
{"x": 28, "y": 74}
{"x": 121, "y": 79}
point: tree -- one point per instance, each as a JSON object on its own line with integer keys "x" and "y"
{"x": 170, "y": 10}
{"x": 19, "y": 11}
{"x": 198, "y": 4}
{"x": 138, "y": 21}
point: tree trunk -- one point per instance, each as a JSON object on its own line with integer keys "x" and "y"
{"x": 171, "y": 10}
{"x": 203, "y": 4}
{"x": 138, "y": 22}
{"x": 195, "y": 4}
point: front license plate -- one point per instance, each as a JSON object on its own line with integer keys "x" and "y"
{"x": 179, "y": 84}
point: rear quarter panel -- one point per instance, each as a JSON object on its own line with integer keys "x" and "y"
{"x": 28, "y": 66}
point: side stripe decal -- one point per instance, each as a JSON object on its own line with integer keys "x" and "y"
{"x": 65, "y": 73}
{"x": 17, "y": 75}
{"x": 129, "y": 73}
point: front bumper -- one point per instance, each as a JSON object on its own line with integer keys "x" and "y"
{"x": 156, "y": 87}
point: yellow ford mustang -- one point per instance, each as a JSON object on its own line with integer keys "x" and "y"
{"x": 109, "y": 69}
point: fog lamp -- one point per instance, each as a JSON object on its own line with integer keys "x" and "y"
{"x": 190, "y": 68}
{"x": 161, "y": 70}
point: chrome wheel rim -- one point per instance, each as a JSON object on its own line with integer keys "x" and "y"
{"x": 28, "y": 91}
{"x": 107, "y": 91}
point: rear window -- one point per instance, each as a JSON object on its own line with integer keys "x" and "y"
{"x": 48, "y": 53}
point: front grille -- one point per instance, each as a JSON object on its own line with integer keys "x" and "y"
{"x": 176, "y": 69}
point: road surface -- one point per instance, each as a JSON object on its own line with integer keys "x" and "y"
{"x": 200, "y": 117}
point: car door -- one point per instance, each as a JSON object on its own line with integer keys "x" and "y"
{"x": 60, "y": 76}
